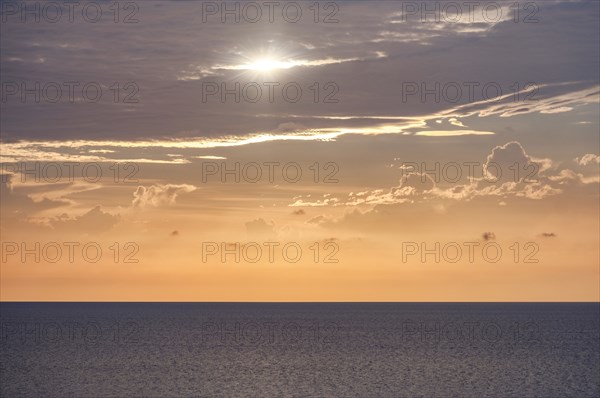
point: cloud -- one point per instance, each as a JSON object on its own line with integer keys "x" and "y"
{"x": 276, "y": 64}
{"x": 455, "y": 122}
{"x": 489, "y": 236}
{"x": 37, "y": 151}
{"x": 94, "y": 221}
{"x": 29, "y": 207}
{"x": 260, "y": 228}
{"x": 291, "y": 127}
{"x": 210, "y": 157}
{"x": 381, "y": 46}
{"x": 543, "y": 164}
{"x": 569, "y": 177}
{"x": 588, "y": 158}
{"x": 22, "y": 201}
{"x": 560, "y": 109}
{"x": 451, "y": 133}
{"x": 508, "y": 172}
{"x": 509, "y": 162}
{"x": 326, "y": 201}
{"x": 415, "y": 183}
{"x": 299, "y": 212}
{"x": 318, "y": 220}
{"x": 159, "y": 195}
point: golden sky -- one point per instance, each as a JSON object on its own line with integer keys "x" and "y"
{"x": 343, "y": 181}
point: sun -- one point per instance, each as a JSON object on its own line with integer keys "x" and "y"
{"x": 261, "y": 61}
{"x": 267, "y": 65}
{"x": 264, "y": 64}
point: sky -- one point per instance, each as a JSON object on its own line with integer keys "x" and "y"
{"x": 300, "y": 151}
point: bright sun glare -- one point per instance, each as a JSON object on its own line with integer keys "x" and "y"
{"x": 263, "y": 64}
{"x": 267, "y": 64}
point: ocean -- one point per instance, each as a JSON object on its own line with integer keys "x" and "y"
{"x": 300, "y": 350}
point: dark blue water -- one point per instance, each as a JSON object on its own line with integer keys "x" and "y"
{"x": 299, "y": 350}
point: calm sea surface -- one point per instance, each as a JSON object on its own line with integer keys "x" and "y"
{"x": 299, "y": 350}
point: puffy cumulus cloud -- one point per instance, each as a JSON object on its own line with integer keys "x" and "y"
{"x": 371, "y": 197}
{"x": 510, "y": 162}
{"x": 543, "y": 164}
{"x": 260, "y": 228}
{"x": 326, "y": 201}
{"x": 414, "y": 183}
{"x": 413, "y": 186}
{"x": 588, "y": 158}
{"x": 94, "y": 221}
{"x": 535, "y": 191}
{"x": 508, "y": 172}
{"x": 569, "y": 177}
{"x": 480, "y": 188}
{"x": 159, "y": 195}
